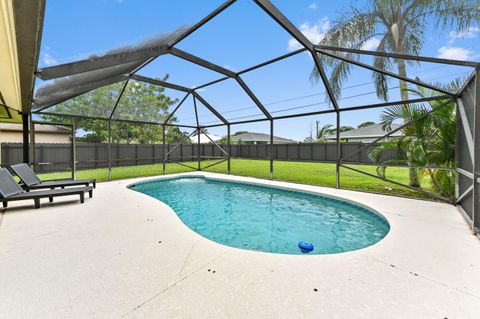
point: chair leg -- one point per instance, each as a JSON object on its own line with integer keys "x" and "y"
{"x": 50, "y": 199}
{"x": 5, "y": 204}
{"x": 82, "y": 198}
{"x": 37, "y": 202}
{"x": 94, "y": 184}
{"x": 90, "y": 193}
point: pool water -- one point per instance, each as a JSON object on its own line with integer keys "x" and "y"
{"x": 267, "y": 219}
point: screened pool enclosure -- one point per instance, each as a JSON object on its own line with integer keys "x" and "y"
{"x": 121, "y": 69}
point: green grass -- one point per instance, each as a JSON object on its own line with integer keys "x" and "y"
{"x": 323, "y": 174}
{"x": 320, "y": 174}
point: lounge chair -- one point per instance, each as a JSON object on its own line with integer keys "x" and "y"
{"x": 31, "y": 181}
{"x": 11, "y": 191}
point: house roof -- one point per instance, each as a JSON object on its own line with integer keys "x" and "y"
{"x": 372, "y": 131}
{"x": 204, "y": 138}
{"x": 260, "y": 137}
{"x": 12, "y": 127}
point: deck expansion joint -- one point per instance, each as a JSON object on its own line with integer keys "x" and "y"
{"x": 413, "y": 273}
{"x": 174, "y": 284}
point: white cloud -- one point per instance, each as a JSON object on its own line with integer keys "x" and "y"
{"x": 471, "y": 32}
{"x": 455, "y": 53}
{"x": 48, "y": 59}
{"x": 313, "y": 6}
{"x": 314, "y": 32}
{"x": 458, "y": 53}
{"x": 370, "y": 44}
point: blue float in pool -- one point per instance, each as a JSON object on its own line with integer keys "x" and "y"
{"x": 305, "y": 247}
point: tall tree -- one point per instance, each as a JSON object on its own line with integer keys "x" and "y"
{"x": 345, "y": 128}
{"x": 365, "y": 124}
{"x": 400, "y": 27}
{"x": 140, "y": 102}
{"x": 321, "y": 132}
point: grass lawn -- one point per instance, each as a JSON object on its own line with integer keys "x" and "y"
{"x": 320, "y": 174}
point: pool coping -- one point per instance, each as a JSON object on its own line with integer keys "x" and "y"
{"x": 317, "y": 190}
{"x": 228, "y": 178}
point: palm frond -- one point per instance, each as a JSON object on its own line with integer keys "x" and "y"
{"x": 380, "y": 79}
{"x": 351, "y": 30}
{"x": 460, "y": 14}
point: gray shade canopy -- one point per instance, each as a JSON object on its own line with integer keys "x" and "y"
{"x": 76, "y": 78}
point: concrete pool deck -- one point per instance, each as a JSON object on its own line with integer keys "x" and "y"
{"x": 123, "y": 254}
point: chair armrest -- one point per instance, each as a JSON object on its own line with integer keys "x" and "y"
{"x": 58, "y": 179}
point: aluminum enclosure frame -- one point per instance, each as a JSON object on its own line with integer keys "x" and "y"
{"x": 468, "y": 152}
{"x": 144, "y": 57}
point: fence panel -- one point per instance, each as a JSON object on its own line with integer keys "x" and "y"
{"x": 56, "y": 157}
{"x": 87, "y": 156}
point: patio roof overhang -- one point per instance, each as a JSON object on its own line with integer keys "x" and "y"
{"x": 21, "y": 25}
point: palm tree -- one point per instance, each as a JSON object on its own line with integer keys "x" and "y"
{"x": 400, "y": 26}
{"x": 410, "y": 147}
{"x": 321, "y": 133}
{"x": 429, "y": 141}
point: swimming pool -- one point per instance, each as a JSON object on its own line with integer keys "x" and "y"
{"x": 265, "y": 218}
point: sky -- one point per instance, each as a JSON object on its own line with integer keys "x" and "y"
{"x": 241, "y": 36}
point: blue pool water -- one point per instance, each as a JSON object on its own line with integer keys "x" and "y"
{"x": 267, "y": 219}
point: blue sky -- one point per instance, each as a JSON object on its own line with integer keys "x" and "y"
{"x": 241, "y": 36}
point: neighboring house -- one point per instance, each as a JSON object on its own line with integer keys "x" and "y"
{"x": 260, "y": 138}
{"x": 13, "y": 133}
{"x": 365, "y": 134}
{"x": 204, "y": 139}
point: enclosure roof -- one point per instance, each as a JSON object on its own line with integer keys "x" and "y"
{"x": 119, "y": 65}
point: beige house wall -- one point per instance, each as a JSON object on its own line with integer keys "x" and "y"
{"x": 10, "y": 77}
{"x": 40, "y": 137}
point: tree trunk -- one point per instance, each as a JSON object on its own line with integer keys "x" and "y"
{"x": 434, "y": 180}
{"x": 413, "y": 178}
